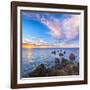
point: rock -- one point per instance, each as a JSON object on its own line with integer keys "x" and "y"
{"x": 57, "y": 60}
{"x": 62, "y": 72}
{"x": 54, "y": 52}
{"x": 64, "y": 52}
{"x": 59, "y": 72}
{"x": 58, "y": 66}
{"x": 60, "y": 54}
{"x": 64, "y": 62}
{"x": 71, "y": 69}
{"x": 72, "y": 57}
{"x": 65, "y": 68}
{"x": 40, "y": 71}
{"x": 76, "y": 70}
{"x": 68, "y": 68}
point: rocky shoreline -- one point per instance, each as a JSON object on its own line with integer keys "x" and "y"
{"x": 63, "y": 69}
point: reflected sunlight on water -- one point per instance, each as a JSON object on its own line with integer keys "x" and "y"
{"x": 29, "y": 56}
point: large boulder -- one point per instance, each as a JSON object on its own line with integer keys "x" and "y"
{"x": 57, "y": 60}
{"x": 40, "y": 71}
{"x": 64, "y": 62}
{"x": 72, "y": 57}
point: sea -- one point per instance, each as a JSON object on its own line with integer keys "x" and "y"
{"x": 32, "y": 57}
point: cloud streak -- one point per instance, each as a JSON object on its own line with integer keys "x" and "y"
{"x": 64, "y": 29}
{"x": 60, "y": 29}
{"x": 55, "y": 30}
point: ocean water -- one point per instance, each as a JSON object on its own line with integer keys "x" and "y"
{"x": 31, "y": 58}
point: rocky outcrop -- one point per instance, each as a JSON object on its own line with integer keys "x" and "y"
{"x": 59, "y": 69}
{"x": 57, "y": 72}
{"x": 40, "y": 71}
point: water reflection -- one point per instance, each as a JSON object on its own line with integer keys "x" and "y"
{"x": 29, "y": 56}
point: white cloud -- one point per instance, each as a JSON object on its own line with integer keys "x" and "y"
{"x": 66, "y": 28}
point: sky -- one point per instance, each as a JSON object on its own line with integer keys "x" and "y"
{"x": 50, "y": 28}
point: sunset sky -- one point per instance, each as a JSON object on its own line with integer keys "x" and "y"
{"x": 50, "y": 28}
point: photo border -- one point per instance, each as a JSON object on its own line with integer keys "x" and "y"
{"x": 14, "y": 36}
{"x": 19, "y": 58}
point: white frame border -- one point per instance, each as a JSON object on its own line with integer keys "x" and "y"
{"x": 56, "y": 78}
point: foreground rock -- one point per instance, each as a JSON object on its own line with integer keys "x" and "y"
{"x": 40, "y": 71}
{"x": 71, "y": 69}
{"x": 63, "y": 69}
{"x": 56, "y": 72}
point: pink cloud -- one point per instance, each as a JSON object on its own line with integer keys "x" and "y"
{"x": 54, "y": 27}
{"x": 60, "y": 29}
{"x": 71, "y": 27}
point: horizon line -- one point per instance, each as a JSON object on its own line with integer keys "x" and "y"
{"x": 28, "y": 45}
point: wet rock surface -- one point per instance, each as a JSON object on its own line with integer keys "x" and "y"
{"x": 63, "y": 69}
{"x": 40, "y": 71}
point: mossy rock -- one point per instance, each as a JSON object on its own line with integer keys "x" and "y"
{"x": 65, "y": 62}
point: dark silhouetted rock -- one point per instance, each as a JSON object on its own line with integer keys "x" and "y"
{"x": 57, "y": 60}
{"x": 72, "y": 57}
{"x": 64, "y": 52}
{"x": 40, "y": 71}
{"x": 54, "y": 52}
{"x": 60, "y": 54}
{"x": 64, "y": 62}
